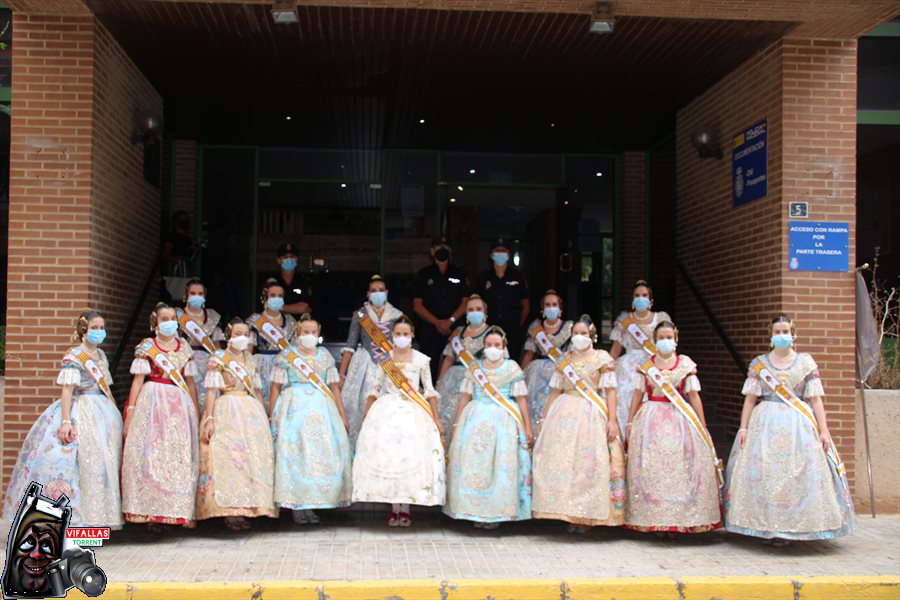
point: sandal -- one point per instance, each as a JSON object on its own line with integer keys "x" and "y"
{"x": 570, "y": 528}
{"x": 582, "y": 529}
{"x": 234, "y": 523}
{"x": 155, "y": 528}
{"x": 313, "y": 517}
{"x": 245, "y": 525}
{"x": 491, "y": 526}
{"x": 404, "y": 519}
{"x": 393, "y": 519}
{"x": 300, "y": 517}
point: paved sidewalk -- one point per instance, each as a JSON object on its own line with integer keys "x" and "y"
{"x": 359, "y": 546}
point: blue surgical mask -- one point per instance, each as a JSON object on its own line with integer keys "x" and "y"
{"x": 196, "y": 301}
{"x": 168, "y": 328}
{"x": 289, "y": 264}
{"x": 782, "y": 341}
{"x": 551, "y": 313}
{"x": 475, "y": 318}
{"x": 95, "y": 336}
{"x": 275, "y": 304}
{"x": 641, "y": 304}
{"x": 500, "y": 258}
{"x": 666, "y": 346}
{"x": 378, "y": 298}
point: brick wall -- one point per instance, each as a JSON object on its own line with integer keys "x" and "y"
{"x": 631, "y": 227}
{"x": 737, "y": 256}
{"x": 73, "y": 172}
{"x": 49, "y": 211}
{"x": 125, "y": 207}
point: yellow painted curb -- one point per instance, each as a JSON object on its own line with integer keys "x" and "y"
{"x": 638, "y": 588}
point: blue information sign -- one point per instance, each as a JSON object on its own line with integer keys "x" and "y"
{"x": 819, "y": 246}
{"x": 749, "y": 163}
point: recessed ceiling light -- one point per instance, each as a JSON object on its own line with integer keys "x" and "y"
{"x": 459, "y": 187}
{"x": 599, "y": 174}
{"x": 566, "y": 202}
{"x": 421, "y": 121}
{"x": 603, "y": 19}
{"x": 343, "y": 185}
{"x": 552, "y": 124}
{"x": 452, "y": 200}
{"x": 471, "y": 171}
{"x": 287, "y": 118}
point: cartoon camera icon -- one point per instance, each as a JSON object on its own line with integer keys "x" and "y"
{"x": 39, "y": 561}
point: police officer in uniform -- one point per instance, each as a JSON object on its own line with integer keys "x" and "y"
{"x": 439, "y": 299}
{"x": 297, "y": 288}
{"x": 505, "y": 291}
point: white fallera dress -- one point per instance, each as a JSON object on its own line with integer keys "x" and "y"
{"x": 399, "y": 454}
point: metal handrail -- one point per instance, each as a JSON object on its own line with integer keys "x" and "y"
{"x": 717, "y": 326}
{"x": 129, "y": 327}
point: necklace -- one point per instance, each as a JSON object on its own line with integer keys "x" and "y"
{"x": 645, "y": 319}
{"x": 168, "y": 346}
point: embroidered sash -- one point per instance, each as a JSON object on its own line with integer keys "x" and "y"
{"x": 300, "y": 366}
{"x": 588, "y": 392}
{"x": 788, "y": 396}
{"x": 536, "y": 330}
{"x": 687, "y": 411}
{"x": 384, "y": 360}
{"x": 269, "y": 330}
{"x": 149, "y": 350}
{"x": 195, "y": 331}
{"x": 88, "y": 364}
{"x": 482, "y": 379}
{"x": 637, "y": 334}
{"x": 237, "y": 370}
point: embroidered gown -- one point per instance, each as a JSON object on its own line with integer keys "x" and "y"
{"x": 312, "y": 449}
{"x": 448, "y": 386}
{"x": 780, "y": 484}
{"x": 539, "y": 371}
{"x": 362, "y": 367}
{"x": 162, "y": 455}
{"x": 671, "y": 477}
{"x": 210, "y": 325}
{"x": 87, "y": 470}
{"x": 399, "y": 454}
{"x": 267, "y": 354}
{"x": 627, "y": 364}
{"x": 489, "y": 470}
{"x": 237, "y": 465}
{"x": 578, "y": 476}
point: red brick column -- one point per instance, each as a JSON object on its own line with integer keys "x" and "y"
{"x": 632, "y": 229}
{"x": 738, "y": 256}
{"x": 83, "y": 225}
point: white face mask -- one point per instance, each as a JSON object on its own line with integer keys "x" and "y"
{"x": 493, "y": 354}
{"x": 309, "y": 341}
{"x": 581, "y": 341}
{"x": 402, "y": 342}
{"x": 240, "y": 342}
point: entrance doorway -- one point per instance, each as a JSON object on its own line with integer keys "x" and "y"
{"x": 353, "y": 213}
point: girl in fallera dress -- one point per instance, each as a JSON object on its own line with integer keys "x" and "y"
{"x": 781, "y": 485}
{"x": 312, "y": 447}
{"x": 208, "y": 319}
{"x": 236, "y": 456}
{"x": 399, "y": 454}
{"x": 538, "y": 367}
{"x": 489, "y": 467}
{"x": 579, "y": 464}
{"x": 453, "y": 372}
{"x": 646, "y": 320}
{"x": 267, "y": 353}
{"x": 75, "y": 446}
{"x": 671, "y": 475}
{"x": 162, "y": 455}
{"x": 357, "y": 364}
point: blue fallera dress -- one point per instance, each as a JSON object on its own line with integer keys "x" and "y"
{"x": 781, "y": 484}
{"x": 489, "y": 470}
{"x": 312, "y": 449}
{"x": 540, "y": 370}
{"x": 448, "y": 386}
{"x": 87, "y": 470}
{"x": 268, "y": 354}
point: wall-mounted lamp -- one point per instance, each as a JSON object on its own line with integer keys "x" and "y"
{"x": 284, "y": 12}
{"x": 602, "y": 19}
{"x": 148, "y": 126}
{"x": 148, "y": 131}
{"x": 704, "y": 141}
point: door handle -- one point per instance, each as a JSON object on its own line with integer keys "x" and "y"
{"x": 565, "y": 262}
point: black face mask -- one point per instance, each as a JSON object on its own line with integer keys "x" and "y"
{"x": 442, "y": 254}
